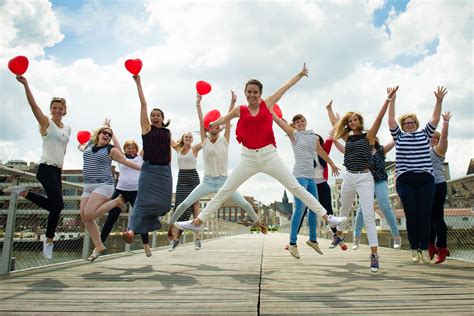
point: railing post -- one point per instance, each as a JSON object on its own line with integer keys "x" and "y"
{"x": 184, "y": 237}
{"x": 5, "y": 264}
{"x": 86, "y": 245}
{"x": 153, "y": 239}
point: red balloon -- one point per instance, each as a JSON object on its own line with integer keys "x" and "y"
{"x": 203, "y": 87}
{"x": 210, "y": 117}
{"x": 83, "y": 137}
{"x": 134, "y": 66}
{"x": 277, "y": 111}
{"x": 18, "y": 65}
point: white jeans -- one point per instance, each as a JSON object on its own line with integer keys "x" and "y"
{"x": 363, "y": 185}
{"x": 264, "y": 160}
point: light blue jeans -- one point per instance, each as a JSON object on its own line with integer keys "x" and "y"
{"x": 297, "y": 217}
{"x": 381, "y": 193}
{"x": 212, "y": 185}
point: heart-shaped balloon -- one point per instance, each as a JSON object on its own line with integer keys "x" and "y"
{"x": 203, "y": 87}
{"x": 277, "y": 111}
{"x": 18, "y": 65}
{"x": 210, "y": 117}
{"x": 133, "y": 66}
{"x": 83, "y": 137}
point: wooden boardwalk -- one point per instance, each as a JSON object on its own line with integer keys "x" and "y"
{"x": 245, "y": 275}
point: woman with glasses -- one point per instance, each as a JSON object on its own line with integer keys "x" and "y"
{"x": 414, "y": 173}
{"x": 98, "y": 154}
{"x": 55, "y": 136}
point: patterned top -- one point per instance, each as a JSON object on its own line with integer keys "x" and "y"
{"x": 377, "y": 165}
{"x": 156, "y": 146}
{"x": 97, "y": 166}
{"x": 357, "y": 153}
{"x": 304, "y": 148}
{"x": 255, "y": 132}
{"x": 413, "y": 150}
{"x": 438, "y": 166}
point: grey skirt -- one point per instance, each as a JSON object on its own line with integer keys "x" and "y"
{"x": 153, "y": 199}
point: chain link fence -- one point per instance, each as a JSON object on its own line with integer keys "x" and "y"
{"x": 23, "y": 227}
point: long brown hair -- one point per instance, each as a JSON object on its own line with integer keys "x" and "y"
{"x": 342, "y": 126}
{"x": 163, "y": 124}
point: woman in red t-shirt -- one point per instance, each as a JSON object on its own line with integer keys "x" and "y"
{"x": 259, "y": 154}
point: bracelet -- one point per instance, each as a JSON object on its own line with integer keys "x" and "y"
{"x": 446, "y": 122}
{"x": 389, "y": 100}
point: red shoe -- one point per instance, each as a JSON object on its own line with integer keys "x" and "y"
{"x": 442, "y": 254}
{"x": 128, "y": 237}
{"x": 432, "y": 250}
{"x": 343, "y": 246}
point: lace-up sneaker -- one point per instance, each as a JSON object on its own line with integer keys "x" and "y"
{"x": 425, "y": 256}
{"x": 15, "y": 190}
{"x": 188, "y": 225}
{"x": 415, "y": 256}
{"x": 197, "y": 244}
{"x": 397, "y": 242}
{"x": 173, "y": 245}
{"x": 374, "y": 262}
{"x": 47, "y": 250}
{"x": 334, "y": 221}
{"x": 315, "y": 246}
{"x": 355, "y": 244}
{"x": 294, "y": 251}
{"x": 336, "y": 241}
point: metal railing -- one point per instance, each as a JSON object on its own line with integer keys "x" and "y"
{"x": 23, "y": 228}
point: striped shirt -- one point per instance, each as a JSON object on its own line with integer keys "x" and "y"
{"x": 357, "y": 153}
{"x": 438, "y": 166}
{"x": 413, "y": 150}
{"x": 304, "y": 148}
{"x": 97, "y": 165}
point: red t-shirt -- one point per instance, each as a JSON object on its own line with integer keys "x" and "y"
{"x": 255, "y": 132}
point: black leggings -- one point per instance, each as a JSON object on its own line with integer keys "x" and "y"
{"x": 324, "y": 197}
{"x": 50, "y": 178}
{"x": 114, "y": 214}
{"x": 439, "y": 230}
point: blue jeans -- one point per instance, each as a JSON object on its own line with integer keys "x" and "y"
{"x": 381, "y": 193}
{"x": 212, "y": 185}
{"x": 298, "y": 213}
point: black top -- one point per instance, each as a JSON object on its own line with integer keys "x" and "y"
{"x": 156, "y": 146}
{"x": 377, "y": 165}
{"x": 357, "y": 152}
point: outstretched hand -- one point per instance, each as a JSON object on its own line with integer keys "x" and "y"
{"x": 22, "y": 80}
{"x": 440, "y": 93}
{"x": 233, "y": 96}
{"x": 136, "y": 78}
{"x": 106, "y": 122}
{"x": 335, "y": 170}
{"x": 329, "y": 106}
{"x": 198, "y": 99}
{"x": 446, "y": 116}
{"x": 392, "y": 92}
{"x": 304, "y": 72}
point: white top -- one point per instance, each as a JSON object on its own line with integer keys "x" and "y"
{"x": 128, "y": 179}
{"x": 54, "y": 144}
{"x": 215, "y": 157}
{"x": 187, "y": 161}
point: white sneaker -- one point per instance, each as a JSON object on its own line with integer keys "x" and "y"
{"x": 47, "y": 250}
{"x": 173, "y": 245}
{"x": 355, "y": 244}
{"x": 15, "y": 190}
{"x": 197, "y": 244}
{"x": 415, "y": 256}
{"x": 188, "y": 225}
{"x": 334, "y": 221}
{"x": 397, "y": 242}
{"x": 425, "y": 256}
{"x": 294, "y": 251}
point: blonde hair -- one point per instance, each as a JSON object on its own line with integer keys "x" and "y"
{"x": 59, "y": 100}
{"x": 132, "y": 143}
{"x": 296, "y": 118}
{"x": 97, "y": 132}
{"x": 342, "y": 126}
{"x": 181, "y": 141}
{"x": 402, "y": 119}
{"x": 437, "y": 134}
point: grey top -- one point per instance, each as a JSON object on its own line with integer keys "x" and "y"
{"x": 438, "y": 163}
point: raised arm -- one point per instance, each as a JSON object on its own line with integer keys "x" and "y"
{"x": 114, "y": 137}
{"x": 275, "y": 97}
{"x": 144, "y": 121}
{"x": 226, "y": 118}
{"x": 442, "y": 146}
{"x": 332, "y": 117}
{"x": 117, "y": 156}
{"x": 284, "y": 126}
{"x": 392, "y": 122}
{"x": 389, "y": 146}
{"x": 202, "y": 129}
{"x": 439, "y": 94}
{"x": 39, "y": 115}
{"x": 233, "y": 99}
{"x": 372, "y": 133}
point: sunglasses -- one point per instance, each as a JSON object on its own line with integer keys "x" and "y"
{"x": 56, "y": 99}
{"x": 107, "y": 133}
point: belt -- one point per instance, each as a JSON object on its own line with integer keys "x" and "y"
{"x": 363, "y": 171}
{"x": 50, "y": 164}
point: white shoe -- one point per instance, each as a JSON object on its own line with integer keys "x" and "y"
{"x": 425, "y": 256}
{"x": 334, "y": 221}
{"x": 397, "y": 242}
{"x": 355, "y": 244}
{"x": 47, "y": 250}
{"x": 294, "y": 251}
{"x": 415, "y": 256}
{"x": 15, "y": 190}
{"x": 173, "y": 245}
{"x": 197, "y": 244}
{"x": 188, "y": 225}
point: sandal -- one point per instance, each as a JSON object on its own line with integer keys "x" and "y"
{"x": 262, "y": 227}
{"x": 95, "y": 255}
{"x": 128, "y": 237}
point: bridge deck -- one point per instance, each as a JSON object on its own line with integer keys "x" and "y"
{"x": 248, "y": 275}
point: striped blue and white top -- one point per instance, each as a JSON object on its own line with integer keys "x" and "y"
{"x": 97, "y": 165}
{"x": 438, "y": 166}
{"x": 413, "y": 150}
{"x": 357, "y": 153}
{"x": 304, "y": 148}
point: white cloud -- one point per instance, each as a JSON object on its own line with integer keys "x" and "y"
{"x": 229, "y": 43}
